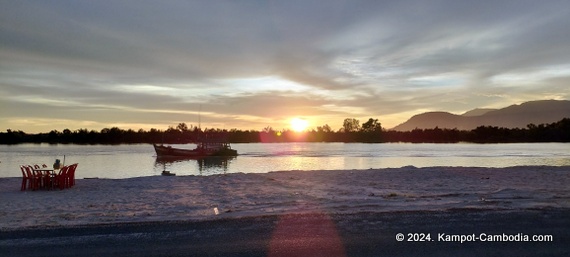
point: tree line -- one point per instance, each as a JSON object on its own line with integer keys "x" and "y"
{"x": 352, "y": 131}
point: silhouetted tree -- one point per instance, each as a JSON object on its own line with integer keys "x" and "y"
{"x": 324, "y": 129}
{"x": 371, "y": 131}
{"x": 182, "y": 127}
{"x": 372, "y": 125}
{"x": 350, "y": 125}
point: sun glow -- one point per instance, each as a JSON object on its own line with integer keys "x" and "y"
{"x": 298, "y": 124}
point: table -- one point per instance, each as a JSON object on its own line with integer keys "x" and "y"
{"x": 47, "y": 177}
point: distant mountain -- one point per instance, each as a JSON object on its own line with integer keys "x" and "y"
{"x": 514, "y": 116}
{"x": 477, "y": 112}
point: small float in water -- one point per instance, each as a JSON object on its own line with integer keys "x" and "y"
{"x": 168, "y": 173}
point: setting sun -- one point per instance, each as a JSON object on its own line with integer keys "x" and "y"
{"x": 298, "y": 124}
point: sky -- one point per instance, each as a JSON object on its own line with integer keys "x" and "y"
{"x": 252, "y": 64}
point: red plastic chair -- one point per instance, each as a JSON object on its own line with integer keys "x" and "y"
{"x": 71, "y": 174}
{"x": 61, "y": 178}
{"x": 34, "y": 181}
{"x": 43, "y": 177}
{"x": 39, "y": 178}
{"x": 25, "y": 179}
{"x": 47, "y": 180}
{"x": 66, "y": 177}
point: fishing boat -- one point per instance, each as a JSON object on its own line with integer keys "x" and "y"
{"x": 203, "y": 149}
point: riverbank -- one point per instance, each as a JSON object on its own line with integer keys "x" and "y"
{"x": 175, "y": 198}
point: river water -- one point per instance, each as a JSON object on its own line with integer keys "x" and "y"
{"x": 125, "y": 161}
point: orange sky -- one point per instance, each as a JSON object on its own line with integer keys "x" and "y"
{"x": 253, "y": 64}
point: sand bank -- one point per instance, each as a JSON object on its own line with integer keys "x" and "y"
{"x": 161, "y": 198}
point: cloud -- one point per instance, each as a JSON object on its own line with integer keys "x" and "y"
{"x": 256, "y": 62}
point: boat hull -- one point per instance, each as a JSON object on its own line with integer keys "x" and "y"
{"x": 167, "y": 151}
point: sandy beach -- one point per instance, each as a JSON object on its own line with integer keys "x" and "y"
{"x": 342, "y": 195}
{"x": 100, "y": 201}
